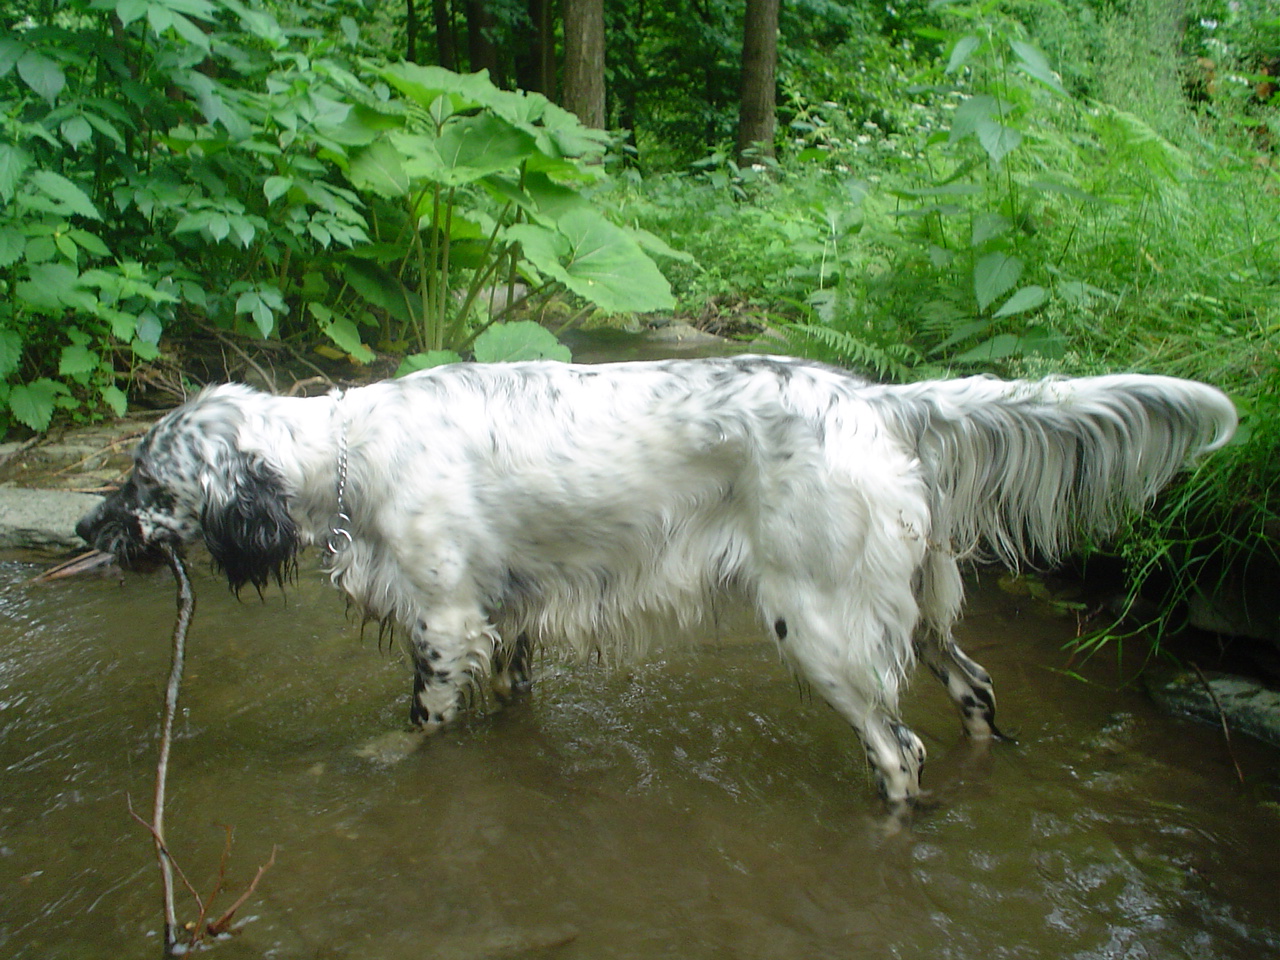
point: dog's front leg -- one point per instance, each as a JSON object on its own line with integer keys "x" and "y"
{"x": 450, "y": 650}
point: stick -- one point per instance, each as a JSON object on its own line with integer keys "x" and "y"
{"x": 186, "y": 609}
{"x": 1226, "y": 731}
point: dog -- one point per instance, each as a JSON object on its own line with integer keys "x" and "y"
{"x": 487, "y": 510}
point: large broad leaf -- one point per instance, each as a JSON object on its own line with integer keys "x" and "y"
{"x": 598, "y": 261}
{"x": 467, "y": 149}
{"x": 523, "y": 340}
{"x": 993, "y": 275}
{"x": 425, "y": 361}
{"x": 380, "y": 169}
{"x": 473, "y": 147}
{"x": 426, "y": 84}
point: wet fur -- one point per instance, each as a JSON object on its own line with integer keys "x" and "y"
{"x": 586, "y": 508}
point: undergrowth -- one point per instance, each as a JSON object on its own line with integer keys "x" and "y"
{"x": 1031, "y": 221}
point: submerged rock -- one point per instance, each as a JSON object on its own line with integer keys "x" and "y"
{"x": 1249, "y": 706}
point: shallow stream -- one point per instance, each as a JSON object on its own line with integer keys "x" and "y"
{"x": 697, "y": 806}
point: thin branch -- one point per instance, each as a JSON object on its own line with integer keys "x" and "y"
{"x": 267, "y": 378}
{"x": 186, "y": 609}
{"x": 1222, "y": 717}
{"x": 220, "y": 925}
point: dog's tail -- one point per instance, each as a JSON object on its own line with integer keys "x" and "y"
{"x": 1021, "y": 470}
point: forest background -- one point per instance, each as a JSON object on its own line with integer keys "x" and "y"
{"x": 910, "y": 189}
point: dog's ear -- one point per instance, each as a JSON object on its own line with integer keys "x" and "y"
{"x": 247, "y": 526}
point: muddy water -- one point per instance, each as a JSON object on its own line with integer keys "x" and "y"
{"x": 698, "y": 806}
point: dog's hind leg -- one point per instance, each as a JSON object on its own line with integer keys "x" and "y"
{"x": 969, "y": 685}
{"x": 966, "y": 681}
{"x": 513, "y": 668}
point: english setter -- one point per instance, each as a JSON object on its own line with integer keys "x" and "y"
{"x": 485, "y": 509}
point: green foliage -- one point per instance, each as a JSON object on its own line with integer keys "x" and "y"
{"x": 165, "y": 163}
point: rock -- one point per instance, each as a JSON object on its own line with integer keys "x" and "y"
{"x": 1249, "y": 706}
{"x": 42, "y": 519}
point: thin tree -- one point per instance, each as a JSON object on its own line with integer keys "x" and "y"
{"x": 536, "y": 59}
{"x": 756, "y": 118}
{"x": 584, "y": 60}
{"x": 446, "y": 43}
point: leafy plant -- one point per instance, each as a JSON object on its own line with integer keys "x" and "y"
{"x": 484, "y": 188}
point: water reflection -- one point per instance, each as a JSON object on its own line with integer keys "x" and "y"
{"x": 699, "y": 805}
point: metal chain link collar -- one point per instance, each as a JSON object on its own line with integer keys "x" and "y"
{"x": 339, "y": 534}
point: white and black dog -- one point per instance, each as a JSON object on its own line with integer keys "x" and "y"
{"x": 483, "y": 509}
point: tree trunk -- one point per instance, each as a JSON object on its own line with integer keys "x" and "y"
{"x": 481, "y": 52}
{"x": 756, "y": 119}
{"x": 446, "y": 45}
{"x": 410, "y": 31}
{"x": 584, "y": 60}
{"x": 537, "y": 60}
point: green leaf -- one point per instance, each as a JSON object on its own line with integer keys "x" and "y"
{"x": 33, "y": 403}
{"x": 77, "y": 361}
{"x": 1028, "y": 298}
{"x": 378, "y": 287}
{"x": 988, "y": 225}
{"x": 523, "y": 340}
{"x": 1034, "y": 64}
{"x": 13, "y": 164}
{"x": 76, "y": 131}
{"x": 66, "y": 196}
{"x": 379, "y": 168}
{"x": 961, "y": 52}
{"x": 10, "y": 352}
{"x": 597, "y": 260}
{"x": 12, "y": 243}
{"x": 993, "y": 275}
{"x": 425, "y": 361}
{"x": 42, "y": 75}
{"x": 997, "y": 139}
{"x": 473, "y": 147}
{"x": 10, "y": 51}
{"x": 997, "y": 348}
{"x": 54, "y": 287}
{"x": 189, "y": 32}
{"x": 88, "y": 242}
{"x": 273, "y": 188}
{"x": 342, "y": 332}
{"x": 424, "y": 85}
{"x": 964, "y": 122}
{"x": 115, "y": 398}
{"x": 130, "y": 10}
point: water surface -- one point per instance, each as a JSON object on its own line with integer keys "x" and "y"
{"x": 700, "y": 805}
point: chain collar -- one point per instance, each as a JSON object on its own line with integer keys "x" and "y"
{"x": 339, "y": 534}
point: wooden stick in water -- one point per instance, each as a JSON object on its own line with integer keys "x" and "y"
{"x": 186, "y": 610}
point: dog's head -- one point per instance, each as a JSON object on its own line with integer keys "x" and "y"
{"x": 192, "y": 478}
